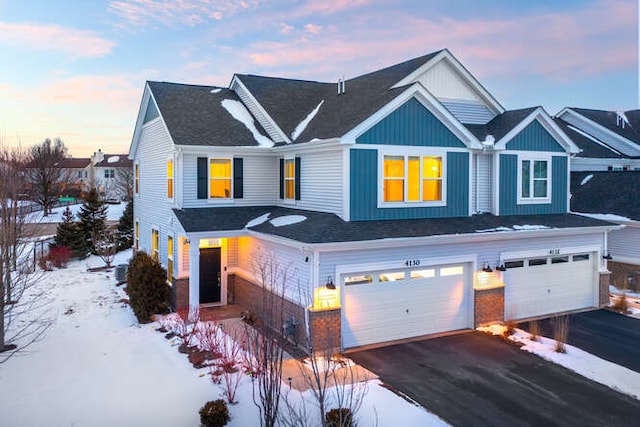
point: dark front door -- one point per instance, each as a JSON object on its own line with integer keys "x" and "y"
{"x": 210, "y": 280}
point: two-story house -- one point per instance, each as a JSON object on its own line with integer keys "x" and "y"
{"x": 605, "y": 181}
{"x": 406, "y": 201}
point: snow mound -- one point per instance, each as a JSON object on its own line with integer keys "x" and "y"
{"x": 113, "y": 159}
{"x": 241, "y": 114}
{"x": 586, "y": 179}
{"x": 216, "y": 90}
{"x": 258, "y": 221}
{"x": 604, "y": 216}
{"x": 529, "y": 227}
{"x": 287, "y": 220}
{"x": 303, "y": 124}
{"x": 491, "y": 230}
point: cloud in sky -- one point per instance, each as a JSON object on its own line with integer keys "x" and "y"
{"x": 55, "y": 38}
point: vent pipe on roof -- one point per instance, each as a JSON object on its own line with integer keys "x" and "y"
{"x": 621, "y": 119}
{"x": 341, "y": 86}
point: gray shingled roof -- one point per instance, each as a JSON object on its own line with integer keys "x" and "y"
{"x": 589, "y": 147}
{"x": 609, "y": 120}
{"x": 607, "y": 193}
{"x": 501, "y": 124}
{"x": 328, "y": 228}
{"x": 289, "y": 102}
{"x": 195, "y": 116}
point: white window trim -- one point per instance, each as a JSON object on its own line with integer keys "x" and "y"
{"x": 173, "y": 190}
{"x": 285, "y": 199}
{"x": 411, "y": 152}
{"x": 170, "y": 256}
{"x": 219, "y": 200}
{"x": 136, "y": 235}
{"x": 534, "y": 200}
{"x": 156, "y": 229}
{"x": 136, "y": 180}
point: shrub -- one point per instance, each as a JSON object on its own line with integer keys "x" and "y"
{"x": 560, "y": 333}
{"x": 59, "y": 256}
{"x": 339, "y": 417}
{"x": 620, "y": 303}
{"x": 214, "y": 414}
{"x": 534, "y": 330}
{"x": 147, "y": 287}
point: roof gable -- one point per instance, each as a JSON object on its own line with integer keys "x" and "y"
{"x": 534, "y": 137}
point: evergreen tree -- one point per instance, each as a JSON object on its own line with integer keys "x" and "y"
{"x": 125, "y": 227}
{"x": 68, "y": 235}
{"x": 93, "y": 218}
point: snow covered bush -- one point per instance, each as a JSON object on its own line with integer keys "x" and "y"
{"x": 214, "y": 414}
{"x": 147, "y": 287}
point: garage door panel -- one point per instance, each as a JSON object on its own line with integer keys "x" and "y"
{"x": 540, "y": 290}
{"x": 378, "y": 312}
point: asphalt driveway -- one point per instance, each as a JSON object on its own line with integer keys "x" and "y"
{"x": 474, "y": 379}
{"x": 608, "y": 335}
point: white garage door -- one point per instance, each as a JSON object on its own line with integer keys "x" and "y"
{"x": 389, "y": 305}
{"x": 549, "y": 284}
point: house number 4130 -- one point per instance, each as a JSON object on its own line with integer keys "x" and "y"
{"x": 412, "y": 263}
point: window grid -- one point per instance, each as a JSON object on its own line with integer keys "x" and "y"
{"x": 155, "y": 243}
{"x": 289, "y": 178}
{"x": 170, "y": 179}
{"x": 412, "y": 178}
{"x": 220, "y": 178}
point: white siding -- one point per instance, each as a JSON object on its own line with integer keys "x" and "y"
{"x": 444, "y": 82}
{"x": 298, "y": 287}
{"x": 151, "y": 207}
{"x": 321, "y": 183}
{"x": 260, "y": 181}
{"x": 469, "y": 112}
{"x": 488, "y": 251}
{"x": 624, "y": 245}
{"x": 484, "y": 182}
{"x": 586, "y": 164}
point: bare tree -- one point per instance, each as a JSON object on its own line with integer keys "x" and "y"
{"x": 264, "y": 343}
{"x": 18, "y": 295}
{"x": 123, "y": 181}
{"x": 46, "y": 174}
{"x": 105, "y": 244}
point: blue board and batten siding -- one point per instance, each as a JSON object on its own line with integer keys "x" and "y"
{"x": 509, "y": 188}
{"x": 534, "y": 137}
{"x": 365, "y": 181}
{"x": 411, "y": 124}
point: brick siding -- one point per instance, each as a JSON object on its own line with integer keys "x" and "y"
{"x": 180, "y": 293}
{"x": 324, "y": 330}
{"x": 620, "y": 274}
{"x": 489, "y": 306}
{"x": 605, "y": 279}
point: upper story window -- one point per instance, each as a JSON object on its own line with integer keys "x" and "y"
{"x": 109, "y": 173}
{"x": 170, "y": 179}
{"x": 412, "y": 179}
{"x": 219, "y": 178}
{"x": 290, "y": 178}
{"x": 535, "y": 180}
{"x": 137, "y": 178}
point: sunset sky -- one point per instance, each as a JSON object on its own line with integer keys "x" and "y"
{"x": 76, "y": 69}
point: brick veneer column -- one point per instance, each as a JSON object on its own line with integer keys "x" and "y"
{"x": 604, "y": 288}
{"x": 489, "y": 306}
{"x": 180, "y": 293}
{"x": 325, "y": 330}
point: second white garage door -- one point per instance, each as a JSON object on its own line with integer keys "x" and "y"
{"x": 549, "y": 284}
{"x": 380, "y": 306}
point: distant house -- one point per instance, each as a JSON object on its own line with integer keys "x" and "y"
{"x": 112, "y": 175}
{"x": 77, "y": 175}
{"x": 605, "y": 181}
{"x": 405, "y": 202}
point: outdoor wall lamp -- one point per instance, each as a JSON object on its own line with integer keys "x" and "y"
{"x": 501, "y": 267}
{"x": 329, "y": 284}
{"x": 607, "y": 256}
{"x": 487, "y": 268}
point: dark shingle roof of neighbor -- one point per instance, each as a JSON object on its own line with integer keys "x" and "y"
{"x": 501, "y": 124}
{"x": 75, "y": 162}
{"x": 289, "y": 101}
{"x": 609, "y": 119}
{"x": 115, "y": 161}
{"x": 606, "y": 193}
{"x": 195, "y": 116}
{"x": 321, "y": 227}
{"x": 589, "y": 147}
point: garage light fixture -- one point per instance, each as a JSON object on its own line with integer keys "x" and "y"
{"x": 487, "y": 268}
{"x": 329, "y": 284}
{"x": 607, "y": 256}
{"x": 501, "y": 267}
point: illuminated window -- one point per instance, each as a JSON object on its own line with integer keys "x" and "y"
{"x": 219, "y": 178}
{"x": 423, "y": 274}
{"x": 137, "y": 178}
{"x": 137, "y": 234}
{"x": 534, "y": 179}
{"x": 155, "y": 243}
{"x": 289, "y": 178}
{"x": 451, "y": 271}
{"x": 170, "y": 179}
{"x": 412, "y": 178}
{"x": 170, "y": 259}
{"x": 391, "y": 276}
{"x": 358, "y": 280}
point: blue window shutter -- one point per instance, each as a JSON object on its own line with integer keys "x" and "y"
{"x": 282, "y": 178}
{"x": 297, "y": 181}
{"x": 202, "y": 177}
{"x": 238, "y": 190}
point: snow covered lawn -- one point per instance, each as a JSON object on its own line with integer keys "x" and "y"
{"x": 114, "y": 212}
{"x": 97, "y": 366}
{"x": 586, "y": 364}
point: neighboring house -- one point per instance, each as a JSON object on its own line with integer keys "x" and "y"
{"x": 405, "y": 201}
{"x": 77, "y": 173}
{"x": 112, "y": 175}
{"x": 605, "y": 181}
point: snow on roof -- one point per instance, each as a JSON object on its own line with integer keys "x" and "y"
{"x": 586, "y": 179}
{"x": 524, "y": 227}
{"x": 489, "y": 230}
{"x": 287, "y": 220}
{"x": 303, "y": 124}
{"x": 241, "y": 114}
{"x": 113, "y": 159}
{"x": 604, "y": 216}
{"x": 257, "y": 221}
{"x": 216, "y": 90}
